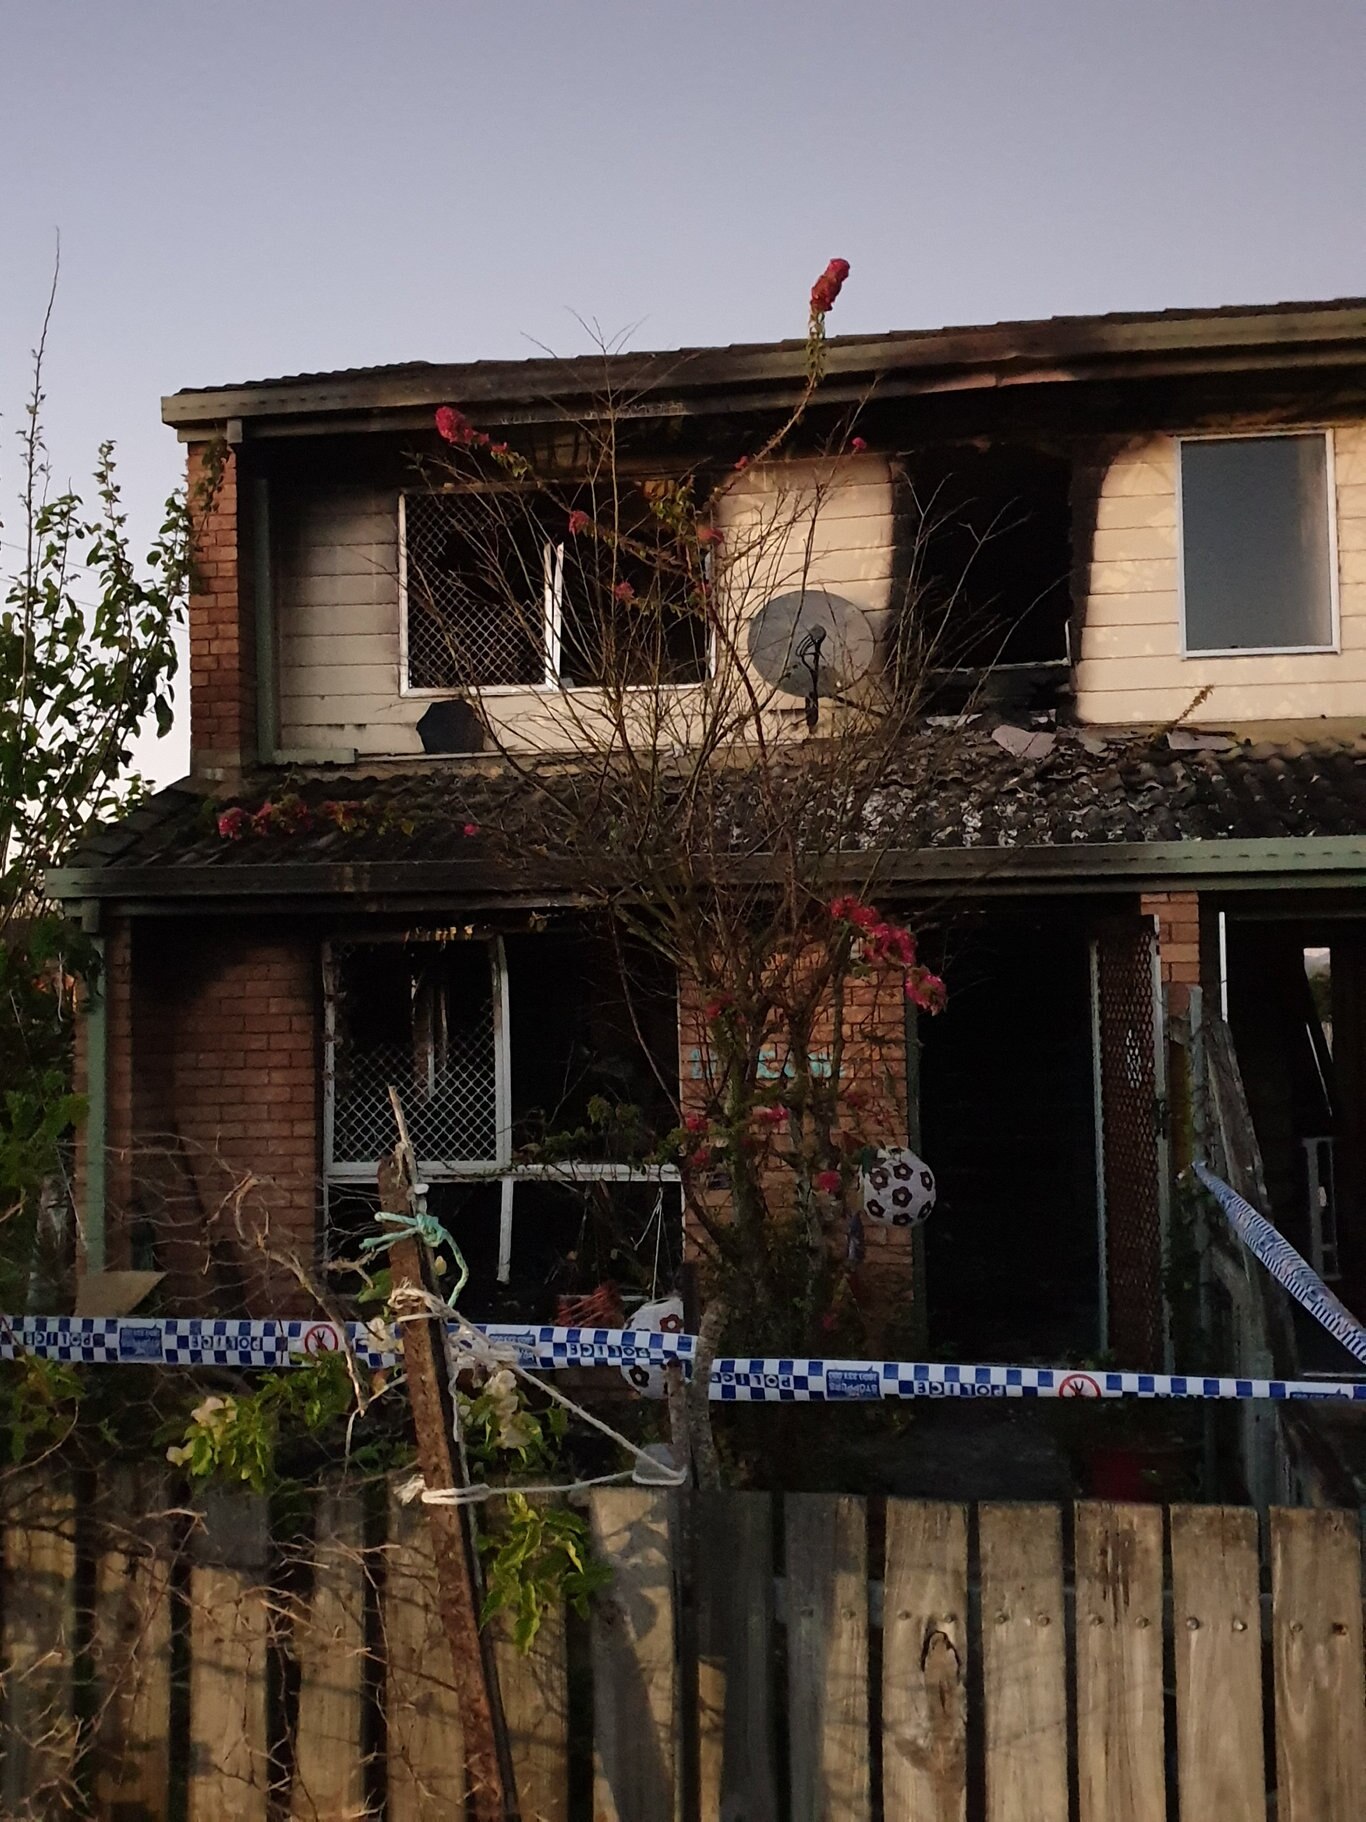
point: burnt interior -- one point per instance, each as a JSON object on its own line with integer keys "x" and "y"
{"x": 592, "y": 1052}
{"x": 1006, "y": 1110}
{"x": 985, "y": 555}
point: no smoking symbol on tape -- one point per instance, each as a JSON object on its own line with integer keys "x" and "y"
{"x": 1078, "y": 1385}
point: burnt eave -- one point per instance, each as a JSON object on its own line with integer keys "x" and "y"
{"x": 1230, "y": 865}
{"x": 762, "y": 376}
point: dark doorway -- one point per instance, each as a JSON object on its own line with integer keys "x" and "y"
{"x": 1007, "y": 1124}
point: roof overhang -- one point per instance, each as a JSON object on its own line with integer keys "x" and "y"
{"x": 1225, "y": 866}
{"x": 763, "y": 376}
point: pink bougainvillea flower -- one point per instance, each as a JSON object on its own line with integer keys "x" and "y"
{"x": 578, "y": 521}
{"x": 624, "y": 593}
{"x": 828, "y": 1182}
{"x": 471, "y": 828}
{"x": 452, "y": 426}
{"x": 828, "y": 286}
{"x": 715, "y": 1007}
{"x": 695, "y": 1122}
{"x": 926, "y": 990}
{"x": 770, "y": 1116}
{"x": 849, "y": 910}
{"x": 497, "y": 449}
{"x": 232, "y": 824}
{"x": 858, "y": 445}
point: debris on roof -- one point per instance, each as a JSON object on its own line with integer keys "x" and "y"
{"x": 966, "y": 790}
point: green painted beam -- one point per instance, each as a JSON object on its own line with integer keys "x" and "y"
{"x": 1332, "y": 860}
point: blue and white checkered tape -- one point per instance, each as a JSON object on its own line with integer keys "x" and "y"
{"x": 1289, "y": 1268}
{"x": 246, "y": 1343}
{"x": 194, "y": 1341}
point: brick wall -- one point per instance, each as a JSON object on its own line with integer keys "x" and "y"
{"x": 215, "y": 1153}
{"x": 222, "y": 630}
{"x": 874, "y": 1063}
{"x": 1178, "y": 943}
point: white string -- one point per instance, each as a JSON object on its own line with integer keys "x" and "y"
{"x": 419, "y": 1305}
{"x": 481, "y": 1490}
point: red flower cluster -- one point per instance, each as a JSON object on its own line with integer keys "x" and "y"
{"x": 714, "y": 1008}
{"x": 828, "y": 286}
{"x": 578, "y": 521}
{"x": 290, "y": 815}
{"x": 624, "y": 593}
{"x": 884, "y": 941}
{"x": 828, "y": 1182}
{"x": 454, "y": 427}
{"x": 926, "y": 990}
{"x": 858, "y": 445}
{"x": 695, "y": 1122}
{"x": 850, "y": 910}
{"x": 770, "y": 1116}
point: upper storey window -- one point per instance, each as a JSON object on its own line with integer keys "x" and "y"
{"x": 1258, "y": 562}
{"x": 497, "y": 593}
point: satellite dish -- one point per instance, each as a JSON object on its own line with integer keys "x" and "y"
{"x": 811, "y": 643}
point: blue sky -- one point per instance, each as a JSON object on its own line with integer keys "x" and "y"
{"x": 277, "y": 185}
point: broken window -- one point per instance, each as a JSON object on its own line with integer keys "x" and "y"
{"x": 1257, "y": 568}
{"x": 538, "y": 1072}
{"x": 480, "y": 582}
{"x": 985, "y": 556}
{"x": 496, "y": 592}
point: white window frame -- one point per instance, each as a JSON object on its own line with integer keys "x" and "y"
{"x": 1331, "y": 507}
{"x": 499, "y": 1169}
{"x": 552, "y": 624}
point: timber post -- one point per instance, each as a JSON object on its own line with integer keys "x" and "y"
{"x": 488, "y": 1756}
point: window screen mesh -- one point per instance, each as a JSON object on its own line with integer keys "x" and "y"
{"x": 476, "y": 587}
{"x": 1130, "y": 1117}
{"x": 419, "y": 1016}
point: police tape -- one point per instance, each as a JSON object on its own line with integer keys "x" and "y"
{"x": 244, "y": 1343}
{"x": 1290, "y": 1269}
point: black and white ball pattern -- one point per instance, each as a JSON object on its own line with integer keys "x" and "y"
{"x": 662, "y": 1318}
{"x": 898, "y": 1188}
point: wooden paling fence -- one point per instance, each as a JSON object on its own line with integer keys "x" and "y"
{"x": 753, "y": 1659}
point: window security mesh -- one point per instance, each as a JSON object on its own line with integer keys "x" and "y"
{"x": 419, "y": 1016}
{"x": 1130, "y": 1118}
{"x": 478, "y": 570}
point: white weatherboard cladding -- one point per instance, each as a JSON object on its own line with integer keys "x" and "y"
{"x": 1132, "y": 668}
{"x": 337, "y": 595}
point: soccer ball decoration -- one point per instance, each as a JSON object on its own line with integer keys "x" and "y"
{"x": 897, "y": 1188}
{"x": 662, "y": 1318}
